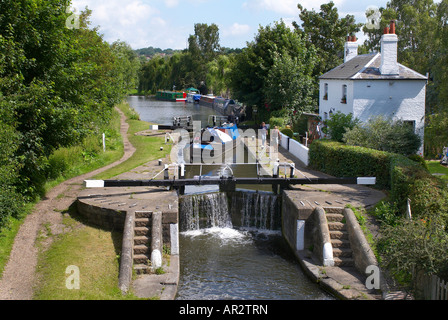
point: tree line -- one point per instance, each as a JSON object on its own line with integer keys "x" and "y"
{"x": 277, "y": 72}
{"x": 59, "y": 82}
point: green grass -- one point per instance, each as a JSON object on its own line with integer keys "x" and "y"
{"x": 94, "y": 251}
{"x": 8, "y": 234}
{"x": 67, "y": 163}
{"x": 88, "y": 156}
{"x": 147, "y": 148}
{"x": 436, "y": 167}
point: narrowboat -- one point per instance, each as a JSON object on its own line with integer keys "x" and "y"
{"x": 174, "y": 96}
{"x": 193, "y": 95}
{"x": 207, "y": 100}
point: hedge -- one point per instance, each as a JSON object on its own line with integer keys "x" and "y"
{"x": 394, "y": 173}
{"x": 340, "y": 160}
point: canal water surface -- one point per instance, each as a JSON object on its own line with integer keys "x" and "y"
{"x": 228, "y": 260}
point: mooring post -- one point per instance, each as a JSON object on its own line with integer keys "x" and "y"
{"x": 292, "y": 167}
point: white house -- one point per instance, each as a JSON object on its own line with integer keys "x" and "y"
{"x": 375, "y": 84}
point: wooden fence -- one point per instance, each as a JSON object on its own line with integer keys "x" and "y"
{"x": 435, "y": 288}
{"x": 439, "y": 289}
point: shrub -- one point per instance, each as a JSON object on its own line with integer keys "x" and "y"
{"x": 287, "y": 132}
{"x": 338, "y": 124}
{"x": 274, "y": 121}
{"x": 413, "y": 246}
{"x": 385, "y": 135}
{"x": 340, "y": 160}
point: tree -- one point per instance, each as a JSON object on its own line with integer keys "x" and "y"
{"x": 58, "y": 84}
{"x": 289, "y": 85}
{"x": 203, "y": 47}
{"x": 327, "y": 33}
{"x": 217, "y": 76}
{"x": 251, "y": 79}
{"x": 416, "y": 26}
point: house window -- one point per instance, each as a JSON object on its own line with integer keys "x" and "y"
{"x": 344, "y": 94}
{"x": 411, "y": 124}
{"x": 326, "y": 91}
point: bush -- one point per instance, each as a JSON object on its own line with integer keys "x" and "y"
{"x": 338, "y": 124}
{"x": 274, "y": 121}
{"x": 340, "y": 160}
{"x": 385, "y": 135}
{"x": 287, "y": 132}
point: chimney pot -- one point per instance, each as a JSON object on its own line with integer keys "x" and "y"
{"x": 386, "y": 30}
{"x": 392, "y": 27}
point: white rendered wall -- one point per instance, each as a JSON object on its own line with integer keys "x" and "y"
{"x": 396, "y": 99}
{"x": 399, "y": 100}
{"x": 334, "y": 97}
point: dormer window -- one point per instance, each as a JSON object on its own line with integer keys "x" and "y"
{"x": 326, "y": 91}
{"x": 344, "y": 94}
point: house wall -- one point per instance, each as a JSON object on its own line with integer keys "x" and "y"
{"x": 396, "y": 99}
{"x": 399, "y": 100}
{"x": 334, "y": 97}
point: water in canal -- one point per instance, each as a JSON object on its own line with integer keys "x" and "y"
{"x": 230, "y": 248}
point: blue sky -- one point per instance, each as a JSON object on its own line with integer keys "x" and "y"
{"x": 168, "y": 23}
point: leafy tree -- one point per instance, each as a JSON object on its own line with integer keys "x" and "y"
{"x": 58, "y": 84}
{"x": 272, "y": 45}
{"x": 326, "y": 31}
{"x": 217, "y": 76}
{"x": 289, "y": 84}
{"x": 416, "y": 26}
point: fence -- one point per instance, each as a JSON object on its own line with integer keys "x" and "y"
{"x": 439, "y": 289}
{"x": 434, "y": 288}
{"x": 296, "y": 148}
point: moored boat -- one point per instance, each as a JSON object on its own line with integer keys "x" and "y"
{"x": 207, "y": 100}
{"x": 171, "y": 96}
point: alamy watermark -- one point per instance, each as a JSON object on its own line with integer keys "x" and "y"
{"x": 373, "y": 280}
{"x": 72, "y": 22}
{"x": 72, "y": 282}
{"x": 373, "y": 16}
{"x": 227, "y": 152}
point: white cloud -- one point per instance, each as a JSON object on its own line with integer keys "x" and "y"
{"x": 236, "y": 30}
{"x": 134, "y": 21}
{"x": 171, "y": 3}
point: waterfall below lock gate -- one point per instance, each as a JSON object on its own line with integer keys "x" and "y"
{"x": 244, "y": 210}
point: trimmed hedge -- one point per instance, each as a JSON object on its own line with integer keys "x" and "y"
{"x": 395, "y": 173}
{"x": 340, "y": 160}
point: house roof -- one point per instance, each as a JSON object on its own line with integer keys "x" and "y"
{"x": 367, "y": 67}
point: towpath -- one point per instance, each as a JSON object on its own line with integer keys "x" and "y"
{"x": 19, "y": 275}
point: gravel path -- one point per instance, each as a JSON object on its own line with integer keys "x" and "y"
{"x": 19, "y": 275}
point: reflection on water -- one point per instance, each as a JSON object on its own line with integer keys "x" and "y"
{"x": 163, "y": 112}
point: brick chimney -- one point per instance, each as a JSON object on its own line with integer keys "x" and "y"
{"x": 389, "y": 51}
{"x": 351, "y": 48}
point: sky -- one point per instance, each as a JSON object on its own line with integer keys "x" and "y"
{"x": 168, "y": 23}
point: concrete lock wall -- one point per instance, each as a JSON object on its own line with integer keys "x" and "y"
{"x": 295, "y": 222}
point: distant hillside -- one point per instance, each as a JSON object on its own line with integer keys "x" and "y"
{"x": 151, "y": 51}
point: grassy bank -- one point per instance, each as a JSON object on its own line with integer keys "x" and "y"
{"x": 94, "y": 251}
{"x": 66, "y": 163}
{"x": 147, "y": 148}
{"x": 436, "y": 168}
